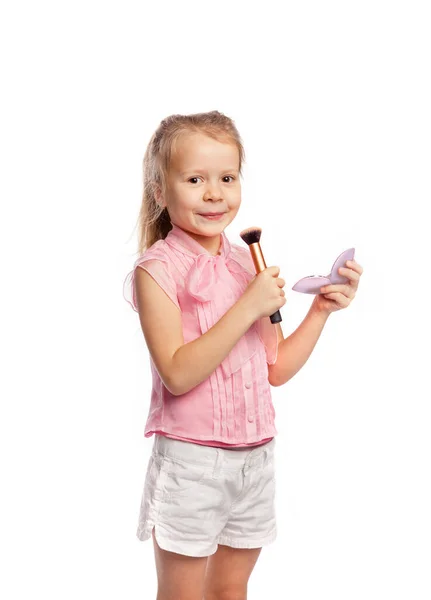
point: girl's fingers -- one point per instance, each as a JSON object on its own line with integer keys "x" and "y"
{"x": 353, "y": 272}
{"x": 349, "y": 273}
{"x": 341, "y": 299}
{"x": 355, "y": 266}
{"x": 342, "y": 288}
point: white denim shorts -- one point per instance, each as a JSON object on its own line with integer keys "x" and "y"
{"x": 197, "y": 497}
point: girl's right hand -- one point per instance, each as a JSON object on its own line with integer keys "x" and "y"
{"x": 265, "y": 292}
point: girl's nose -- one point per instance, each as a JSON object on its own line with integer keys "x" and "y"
{"x": 213, "y": 193}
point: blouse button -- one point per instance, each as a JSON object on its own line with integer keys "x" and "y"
{"x": 251, "y": 418}
{"x": 248, "y": 384}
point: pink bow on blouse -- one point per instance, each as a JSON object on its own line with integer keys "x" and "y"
{"x": 208, "y": 270}
{"x": 205, "y": 274}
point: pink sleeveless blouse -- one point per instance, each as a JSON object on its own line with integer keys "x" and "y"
{"x": 233, "y": 406}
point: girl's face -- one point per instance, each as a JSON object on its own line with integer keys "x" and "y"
{"x": 203, "y": 178}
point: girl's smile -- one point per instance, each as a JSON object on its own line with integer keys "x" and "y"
{"x": 212, "y": 216}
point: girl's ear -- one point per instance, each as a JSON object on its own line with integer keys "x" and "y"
{"x": 159, "y": 196}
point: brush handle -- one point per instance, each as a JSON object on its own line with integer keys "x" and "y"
{"x": 276, "y": 317}
{"x": 259, "y": 263}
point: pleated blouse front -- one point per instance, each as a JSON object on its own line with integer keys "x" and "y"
{"x": 233, "y": 406}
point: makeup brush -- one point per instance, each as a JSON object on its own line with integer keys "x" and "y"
{"x": 251, "y": 237}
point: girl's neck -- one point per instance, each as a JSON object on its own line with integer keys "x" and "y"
{"x": 205, "y": 242}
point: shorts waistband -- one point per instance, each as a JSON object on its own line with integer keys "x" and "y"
{"x": 211, "y": 456}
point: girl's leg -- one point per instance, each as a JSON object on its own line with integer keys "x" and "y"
{"x": 179, "y": 577}
{"x": 228, "y": 572}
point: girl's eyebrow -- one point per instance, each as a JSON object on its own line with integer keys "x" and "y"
{"x": 205, "y": 171}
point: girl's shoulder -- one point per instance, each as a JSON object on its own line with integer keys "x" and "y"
{"x": 159, "y": 250}
{"x": 239, "y": 257}
{"x": 158, "y": 256}
{"x": 154, "y": 260}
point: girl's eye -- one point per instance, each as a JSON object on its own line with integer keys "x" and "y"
{"x": 225, "y": 177}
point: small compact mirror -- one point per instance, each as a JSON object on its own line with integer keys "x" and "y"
{"x": 313, "y": 283}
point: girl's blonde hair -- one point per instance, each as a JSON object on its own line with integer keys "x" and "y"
{"x": 154, "y": 222}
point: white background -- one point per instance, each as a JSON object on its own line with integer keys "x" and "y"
{"x": 332, "y": 100}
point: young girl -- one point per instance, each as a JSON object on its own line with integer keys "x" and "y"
{"x": 208, "y": 498}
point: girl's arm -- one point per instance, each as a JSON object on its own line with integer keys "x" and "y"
{"x": 183, "y": 366}
{"x": 293, "y": 351}
{"x": 194, "y": 362}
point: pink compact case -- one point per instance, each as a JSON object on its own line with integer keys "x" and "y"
{"x": 313, "y": 283}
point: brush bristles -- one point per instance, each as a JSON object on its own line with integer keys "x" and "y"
{"x": 251, "y": 235}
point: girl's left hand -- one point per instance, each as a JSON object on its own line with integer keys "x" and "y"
{"x": 336, "y": 296}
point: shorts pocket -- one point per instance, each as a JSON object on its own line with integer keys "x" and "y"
{"x": 264, "y": 478}
{"x": 180, "y": 478}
